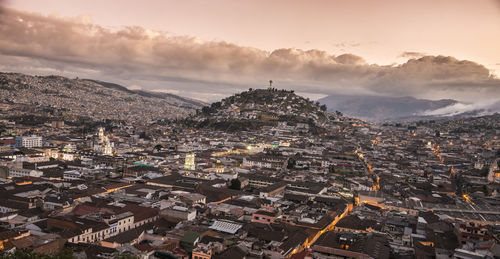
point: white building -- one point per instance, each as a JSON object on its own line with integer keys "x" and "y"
{"x": 21, "y": 172}
{"x": 103, "y": 145}
{"x": 72, "y": 175}
{"x": 179, "y": 212}
{"x": 121, "y": 223}
{"x": 28, "y": 141}
{"x": 189, "y": 162}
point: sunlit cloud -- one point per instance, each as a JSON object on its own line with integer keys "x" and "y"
{"x": 197, "y": 68}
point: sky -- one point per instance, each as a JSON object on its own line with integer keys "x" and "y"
{"x": 210, "y": 49}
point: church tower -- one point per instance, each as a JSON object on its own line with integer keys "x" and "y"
{"x": 100, "y": 134}
{"x": 189, "y": 163}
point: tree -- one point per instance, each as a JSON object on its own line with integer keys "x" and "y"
{"x": 459, "y": 185}
{"x": 235, "y": 184}
{"x": 158, "y": 147}
{"x": 486, "y": 191}
{"x": 125, "y": 256}
{"x": 65, "y": 253}
{"x": 291, "y": 163}
{"x": 323, "y": 107}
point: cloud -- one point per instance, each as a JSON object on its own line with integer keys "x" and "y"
{"x": 134, "y": 87}
{"x": 2, "y": 3}
{"x": 412, "y": 54}
{"x": 347, "y": 44}
{"x": 458, "y": 108}
{"x": 157, "y": 60}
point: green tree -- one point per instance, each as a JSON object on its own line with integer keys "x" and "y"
{"x": 66, "y": 253}
{"x": 235, "y": 184}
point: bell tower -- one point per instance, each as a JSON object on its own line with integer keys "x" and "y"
{"x": 189, "y": 162}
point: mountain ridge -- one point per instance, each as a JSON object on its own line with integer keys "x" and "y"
{"x": 145, "y": 93}
{"x": 91, "y": 98}
{"x": 379, "y": 108}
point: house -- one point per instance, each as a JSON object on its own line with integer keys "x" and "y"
{"x": 142, "y": 215}
{"x": 190, "y": 240}
{"x": 265, "y": 215}
{"x": 21, "y": 172}
{"x": 179, "y": 213}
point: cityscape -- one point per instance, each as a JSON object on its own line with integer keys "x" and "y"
{"x": 94, "y": 166}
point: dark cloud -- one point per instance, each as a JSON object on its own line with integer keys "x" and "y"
{"x": 2, "y": 3}
{"x": 152, "y": 59}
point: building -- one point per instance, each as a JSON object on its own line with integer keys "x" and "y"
{"x": 189, "y": 164}
{"x": 57, "y": 124}
{"x": 265, "y": 216}
{"x": 202, "y": 251}
{"x": 72, "y": 175}
{"x": 21, "y": 172}
{"x": 179, "y": 213}
{"x": 28, "y": 141}
{"x": 138, "y": 171}
{"x": 104, "y": 145}
{"x": 120, "y": 223}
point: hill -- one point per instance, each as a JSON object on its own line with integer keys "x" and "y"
{"x": 196, "y": 103}
{"x": 254, "y": 109}
{"x": 91, "y": 98}
{"x": 378, "y": 108}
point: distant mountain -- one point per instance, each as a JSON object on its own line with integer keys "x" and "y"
{"x": 160, "y": 95}
{"x": 256, "y": 108}
{"x": 92, "y": 98}
{"x": 457, "y": 111}
{"x": 379, "y": 108}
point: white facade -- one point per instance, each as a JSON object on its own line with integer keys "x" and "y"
{"x": 189, "y": 163}
{"x": 21, "y": 172}
{"x": 179, "y": 212}
{"x": 103, "y": 145}
{"x": 121, "y": 223}
{"x": 28, "y": 141}
{"x": 72, "y": 175}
